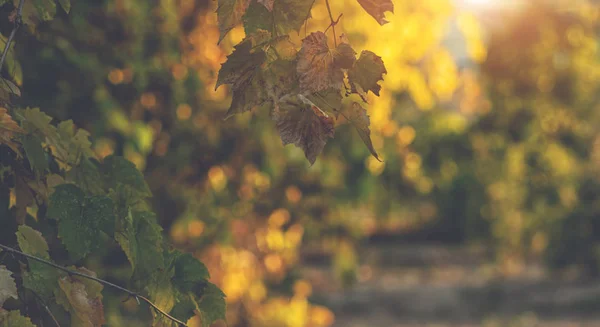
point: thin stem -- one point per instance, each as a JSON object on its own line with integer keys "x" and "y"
{"x": 40, "y": 301}
{"x": 333, "y": 22}
{"x": 101, "y": 281}
{"x": 18, "y": 22}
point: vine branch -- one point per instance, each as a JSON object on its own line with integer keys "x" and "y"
{"x": 133, "y": 294}
{"x": 332, "y": 24}
{"x": 18, "y": 22}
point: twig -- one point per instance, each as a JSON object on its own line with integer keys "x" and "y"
{"x": 333, "y": 22}
{"x": 18, "y": 22}
{"x": 101, "y": 281}
{"x": 40, "y": 301}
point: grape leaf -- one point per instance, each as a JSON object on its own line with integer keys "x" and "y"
{"x": 281, "y": 78}
{"x": 304, "y": 125}
{"x": 367, "y": 71}
{"x": 140, "y": 238}
{"x": 329, "y": 100}
{"x": 212, "y": 305}
{"x": 82, "y": 298}
{"x": 71, "y": 145}
{"x": 242, "y": 69}
{"x": 8, "y": 130}
{"x": 189, "y": 272}
{"x": 319, "y": 68}
{"x": 86, "y": 175}
{"x": 229, "y": 14}
{"x": 267, "y": 3}
{"x": 8, "y": 287}
{"x": 80, "y": 219}
{"x": 35, "y": 153}
{"x": 41, "y": 278}
{"x": 185, "y": 306}
{"x": 377, "y": 9}
{"x": 118, "y": 170}
{"x": 286, "y": 16}
{"x": 9, "y": 87}
{"x": 357, "y": 116}
{"x": 37, "y": 122}
{"x": 14, "y": 318}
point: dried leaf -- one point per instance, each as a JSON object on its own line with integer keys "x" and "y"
{"x": 303, "y": 125}
{"x": 83, "y": 300}
{"x": 285, "y": 17}
{"x": 229, "y": 14}
{"x": 318, "y": 67}
{"x": 9, "y": 130}
{"x": 242, "y": 69}
{"x": 357, "y": 116}
{"x": 8, "y": 288}
{"x": 367, "y": 71}
{"x": 377, "y": 9}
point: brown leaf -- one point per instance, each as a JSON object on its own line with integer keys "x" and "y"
{"x": 377, "y": 9}
{"x": 303, "y": 125}
{"x": 357, "y": 116}
{"x": 83, "y": 300}
{"x": 229, "y": 14}
{"x": 318, "y": 67}
{"x": 24, "y": 199}
{"x": 267, "y": 3}
{"x": 366, "y": 73}
{"x": 8, "y": 130}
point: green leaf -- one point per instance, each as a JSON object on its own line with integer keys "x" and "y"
{"x": 229, "y": 14}
{"x": 118, "y": 170}
{"x": 37, "y": 122}
{"x": 81, "y": 219}
{"x": 377, "y": 9}
{"x": 141, "y": 240}
{"x": 9, "y": 87}
{"x": 212, "y": 305}
{"x": 285, "y": 17}
{"x": 357, "y": 116}
{"x": 32, "y": 242}
{"x": 82, "y": 298}
{"x": 13, "y": 319}
{"x": 87, "y": 176}
{"x": 41, "y": 278}
{"x": 185, "y": 306}
{"x": 66, "y": 5}
{"x": 8, "y": 287}
{"x": 303, "y": 125}
{"x": 366, "y": 73}
{"x": 189, "y": 272}
{"x": 71, "y": 144}
{"x": 35, "y": 153}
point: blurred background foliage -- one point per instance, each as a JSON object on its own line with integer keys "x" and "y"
{"x": 488, "y": 125}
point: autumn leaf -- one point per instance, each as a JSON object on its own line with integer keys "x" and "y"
{"x": 285, "y": 16}
{"x": 377, "y": 9}
{"x": 267, "y": 3}
{"x": 8, "y": 288}
{"x": 357, "y": 116}
{"x": 319, "y": 68}
{"x": 242, "y": 70}
{"x": 229, "y": 15}
{"x": 303, "y": 125}
{"x": 82, "y": 298}
{"x": 366, "y": 73}
{"x": 9, "y": 130}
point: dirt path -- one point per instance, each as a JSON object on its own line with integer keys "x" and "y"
{"x": 423, "y": 286}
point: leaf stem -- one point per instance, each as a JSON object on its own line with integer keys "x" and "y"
{"x": 101, "y": 281}
{"x": 333, "y": 22}
{"x": 18, "y": 22}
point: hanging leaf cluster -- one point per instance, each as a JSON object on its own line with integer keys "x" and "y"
{"x": 303, "y": 86}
